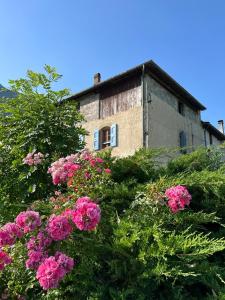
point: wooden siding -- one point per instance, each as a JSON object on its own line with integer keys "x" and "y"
{"x": 120, "y": 97}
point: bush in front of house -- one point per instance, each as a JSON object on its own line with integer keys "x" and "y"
{"x": 86, "y": 241}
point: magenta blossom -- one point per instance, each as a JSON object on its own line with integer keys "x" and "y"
{"x": 178, "y": 197}
{"x": 59, "y": 227}
{"x": 66, "y": 262}
{"x": 9, "y": 233}
{"x": 28, "y": 220}
{"x": 40, "y": 242}
{"x": 49, "y": 273}
{"x": 35, "y": 258}
{"x": 5, "y": 259}
{"x": 87, "y": 214}
{"x": 53, "y": 269}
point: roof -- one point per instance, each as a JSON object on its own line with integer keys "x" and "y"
{"x": 213, "y": 130}
{"x": 157, "y": 73}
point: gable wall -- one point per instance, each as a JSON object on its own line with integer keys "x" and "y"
{"x": 165, "y": 122}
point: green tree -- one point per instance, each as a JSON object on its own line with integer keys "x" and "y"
{"x": 35, "y": 120}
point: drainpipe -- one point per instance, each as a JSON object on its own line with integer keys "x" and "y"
{"x": 205, "y": 137}
{"x": 145, "y": 111}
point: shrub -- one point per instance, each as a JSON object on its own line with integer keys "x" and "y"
{"x": 34, "y": 128}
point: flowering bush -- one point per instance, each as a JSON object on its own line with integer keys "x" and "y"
{"x": 178, "y": 197}
{"x": 144, "y": 248}
{"x": 80, "y": 213}
{"x": 33, "y": 159}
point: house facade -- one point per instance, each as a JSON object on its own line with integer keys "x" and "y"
{"x": 143, "y": 107}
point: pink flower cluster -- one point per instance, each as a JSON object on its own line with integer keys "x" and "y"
{"x": 66, "y": 167}
{"x": 53, "y": 269}
{"x": 59, "y": 227}
{"x": 9, "y": 233}
{"x": 87, "y": 214}
{"x": 28, "y": 220}
{"x": 63, "y": 168}
{"x": 4, "y": 259}
{"x": 37, "y": 250}
{"x": 178, "y": 197}
{"x": 33, "y": 159}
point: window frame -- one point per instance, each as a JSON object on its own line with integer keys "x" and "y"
{"x": 105, "y": 137}
{"x": 181, "y": 108}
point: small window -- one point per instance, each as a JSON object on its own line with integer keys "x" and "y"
{"x": 181, "y": 108}
{"x": 183, "y": 142}
{"x": 210, "y": 139}
{"x": 105, "y": 137}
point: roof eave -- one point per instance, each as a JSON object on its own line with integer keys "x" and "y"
{"x": 155, "y": 71}
{"x": 208, "y": 126}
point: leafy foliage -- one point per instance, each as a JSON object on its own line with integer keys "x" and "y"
{"x": 35, "y": 120}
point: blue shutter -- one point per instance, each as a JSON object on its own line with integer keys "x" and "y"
{"x": 96, "y": 139}
{"x": 113, "y": 135}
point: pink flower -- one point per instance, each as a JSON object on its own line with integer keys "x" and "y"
{"x": 63, "y": 169}
{"x": 9, "y": 233}
{"x": 99, "y": 160}
{"x": 67, "y": 213}
{"x": 178, "y": 197}
{"x": 59, "y": 227}
{"x": 81, "y": 201}
{"x": 33, "y": 158}
{"x": 66, "y": 262}
{"x": 5, "y": 238}
{"x": 87, "y": 214}
{"x": 108, "y": 171}
{"x": 50, "y": 273}
{"x": 40, "y": 242}
{"x": 92, "y": 162}
{"x": 87, "y": 175}
{"x": 5, "y": 259}
{"x": 53, "y": 269}
{"x": 35, "y": 259}
{"x": 28, "y": 220}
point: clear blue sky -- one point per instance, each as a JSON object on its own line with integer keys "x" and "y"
{"x": 82, "y": 37}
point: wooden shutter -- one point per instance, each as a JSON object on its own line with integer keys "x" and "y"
{"x": 96, "y": 139}
{"x": 113, "y": 135}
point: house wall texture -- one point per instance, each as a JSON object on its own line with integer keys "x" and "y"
{"x": 129, "y": 123}
{"x": 215, "y": 141}
{"x": 121, "y": 105}
{"x": 165, "y": 122}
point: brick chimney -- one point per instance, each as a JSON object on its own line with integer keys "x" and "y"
{"x": 221, "y": 126}
{"x": 97, "y": 78}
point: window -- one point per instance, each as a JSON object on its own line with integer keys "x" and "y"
{"x": 210, "y": 139}
{"x": 181, "y": 108}
{"x": 105, "y": 137}
{"x": 183, "y": 142}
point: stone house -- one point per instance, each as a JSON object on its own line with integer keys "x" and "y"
{"x": 143, "y": 107}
